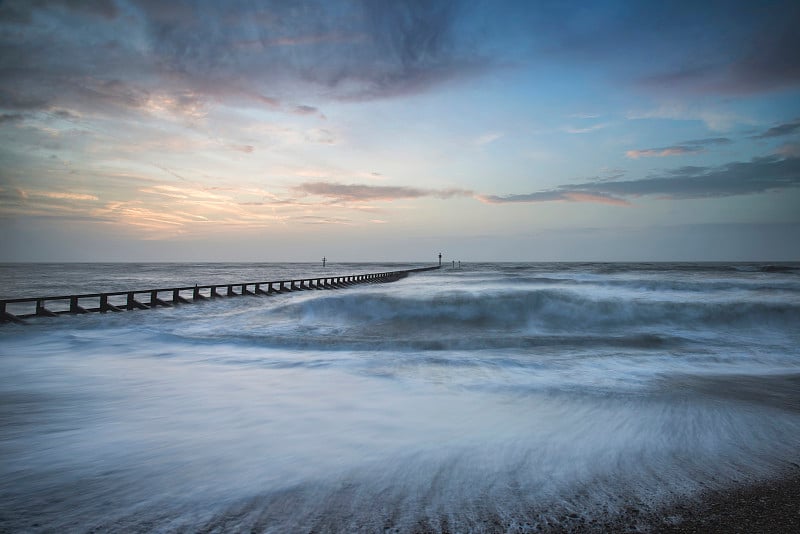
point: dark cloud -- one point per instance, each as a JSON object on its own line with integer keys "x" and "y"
{"x": 108, "y": 55}
{"x": 731, "y": 47}
{"x": 357, "y": 50}
{"x": 359, "y": 192}
{"x": 232, "y": 51}
{"x": 11, "y": 196}
{"x": 735, "y": 48}
{"x": 686, "y": 147}
{"x": 771, "y": 60}
{"x": 552, "y": 196}
{"x": 709, "y": 141}
{"x": 21, "y": 10}
{"x": 760, "y": 175}
{"x": 789, "y": 150}
{"x": 738, "y": 178}
{"x": 17, "y": 99}
{"x": 11, "y": 117}
{"x": 305, "y": 110}
{"x": 788, "y": 128}
{"x": 308, "y": 110}
{"x": 64, "y": 114}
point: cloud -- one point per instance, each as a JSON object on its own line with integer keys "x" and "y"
{"x": 759, "y": 175}
{"x": 585, "y": 129}
{"x": 749, "y": 48}
{"x": 13, "y": 98}
{"x": 185, "y": 104}
{"x": 789, "y": 150}
{"x": 302, "y": 40}
{"x": 362, "y": 50}
{"x": 11, "y": 117}
{"x": 687, "y": 147}
{"x": 321, "y": 136}
{"x": 21, "y": 195}
{"x": 315, "y": 219}
{"x": 716, "y": 120}
{"x": 64, "y": 114}
{"x": 736, "y": 47}
{"x": 675, "y": 150}
{"x": 788, "y": 128}
{"x": 554, "y": 195}
{"x": 738, "y": 178}
{"x": 307, "y": 110}
{"x": 181, "y": 58}
{"x": 62, "y": 195}
{"x": 12, "y": 195}
{"x": 488, "y": 138}
{"x": 359, "y": 50}
{"x": 769, "y": 59}
{"x": 20, "y": 11}
{"x": 361, "y": 192}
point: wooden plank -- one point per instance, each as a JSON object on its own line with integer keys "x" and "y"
{"x": 274, "y": 287}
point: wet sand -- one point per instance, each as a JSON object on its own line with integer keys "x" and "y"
{"x": 767, "y": 506}
{"x": 764, "y": 507}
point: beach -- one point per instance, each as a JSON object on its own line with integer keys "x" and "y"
{"x": 490, "y": 398}
{"x": 765, "y": 506}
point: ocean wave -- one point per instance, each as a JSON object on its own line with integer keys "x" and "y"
{"x": 689, "y": 285}
{"x": 397, "y": 341}
{"x": 554, "y": 310}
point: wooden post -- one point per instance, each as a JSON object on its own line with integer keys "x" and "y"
{"x": 196, "y": 294}
{"x": 7, "y": 317}
{"x": 106, "y": 306}
{"x": 155, "y": 301}
{"x": 41, "y": 310}
{"x": 177, "y": 298}
{"x": 74, "y": 307}
{"x": 281, "y": 286}
{"x": 133, "y": 303}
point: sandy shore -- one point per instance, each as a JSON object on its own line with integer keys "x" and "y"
{"x": 771, "y": 506}
{"x": 764, "y": 507}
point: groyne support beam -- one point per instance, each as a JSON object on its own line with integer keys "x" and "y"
{"x": 128, "y": 301}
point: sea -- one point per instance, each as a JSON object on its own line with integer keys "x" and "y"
{"x": 490, "y": 397}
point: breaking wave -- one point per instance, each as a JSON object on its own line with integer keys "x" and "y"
{"x": 551, "y": 309}
{"x": 489, "y": 399}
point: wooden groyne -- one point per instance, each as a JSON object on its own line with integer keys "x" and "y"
{"x": 148, "y": 299}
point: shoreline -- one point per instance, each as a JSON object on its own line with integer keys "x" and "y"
{"x": 764, "y": 506}
{"x": 770, "y": 505}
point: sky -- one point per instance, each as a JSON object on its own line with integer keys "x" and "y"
{"x": 142, "y": 130}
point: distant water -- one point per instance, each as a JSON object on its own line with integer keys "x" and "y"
{"x": 491, "y": 397}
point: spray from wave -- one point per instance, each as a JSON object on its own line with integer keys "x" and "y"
{"x": 512, "y": 398}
